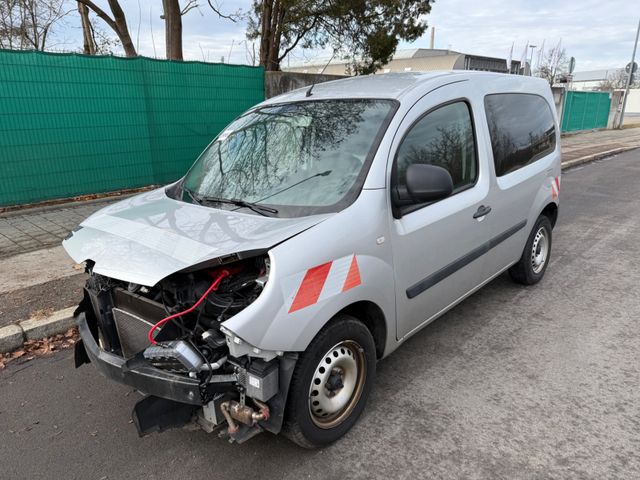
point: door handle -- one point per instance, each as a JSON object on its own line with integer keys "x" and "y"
{"x": 482, "y": 211}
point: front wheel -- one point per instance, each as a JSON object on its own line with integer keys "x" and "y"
{"x": 535, "y": 257}
{"x": 331, "y": 383}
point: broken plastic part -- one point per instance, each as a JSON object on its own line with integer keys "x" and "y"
{"x": 155, "y": 414}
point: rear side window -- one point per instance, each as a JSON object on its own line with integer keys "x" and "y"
{"x": 521, "y": 128}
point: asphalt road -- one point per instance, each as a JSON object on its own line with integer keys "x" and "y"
{"x": 515, "y": 382}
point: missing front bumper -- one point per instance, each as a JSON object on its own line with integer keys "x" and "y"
{"x": 138, "y": 374}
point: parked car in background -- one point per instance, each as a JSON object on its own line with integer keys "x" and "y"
{"x": 313, "y": 236}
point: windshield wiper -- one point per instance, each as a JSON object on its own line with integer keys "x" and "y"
{"x": 253, "y": 206}
{"x": 192, "y": 195}
{"x": 261, "y": 209}
{"x": 321, "y": 174}
{"x": 233, "y": 201}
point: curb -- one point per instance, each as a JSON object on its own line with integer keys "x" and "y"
{"x": 13, "y": 336}
{"x": 45, "y": 205}
{"x": 595, "y": 156}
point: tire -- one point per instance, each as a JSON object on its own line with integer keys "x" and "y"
{"x": 535, "y": 258}
{"x": 347, "y": 346}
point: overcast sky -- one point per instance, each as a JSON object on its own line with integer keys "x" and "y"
{"x": 598, "y": 33}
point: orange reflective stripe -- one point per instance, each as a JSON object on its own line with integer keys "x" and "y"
{"x": 353, "y": 277}
{"x": 311, "y": 287}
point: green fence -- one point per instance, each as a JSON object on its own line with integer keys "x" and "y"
{"x": 75, "y": 124}
{"x": 585, "y": 111}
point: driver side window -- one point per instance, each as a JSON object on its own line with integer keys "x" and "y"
{"x": 443, "y": 137}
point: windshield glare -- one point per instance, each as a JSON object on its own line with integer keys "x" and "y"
{"x": 300, "y": 158}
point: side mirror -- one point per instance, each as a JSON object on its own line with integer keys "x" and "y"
{"x": 427, "y": 183}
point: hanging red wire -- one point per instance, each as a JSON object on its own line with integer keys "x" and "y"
{"x": 219, "y": 276}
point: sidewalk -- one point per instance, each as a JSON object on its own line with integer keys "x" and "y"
{"x": 35, "y": 228}
{"x": 580, "y": 145}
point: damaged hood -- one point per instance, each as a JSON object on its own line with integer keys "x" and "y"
{"x": 145, "y": 238}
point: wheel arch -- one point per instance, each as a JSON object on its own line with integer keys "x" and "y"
{"x": 551, "y": 212}
{"x": 372, "y": 316}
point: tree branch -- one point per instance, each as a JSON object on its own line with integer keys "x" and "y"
{"x": 297, "y": 40}
{"x": 191, "y": 4}
{"x": 233, "y": 17}
{"x": 101, "y": 13}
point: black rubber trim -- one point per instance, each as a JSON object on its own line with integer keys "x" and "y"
{"x": 444, "y": 272}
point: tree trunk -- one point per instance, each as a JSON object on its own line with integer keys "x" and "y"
{"x": 89, "y": 44}
{"x": 122, "y": 30}
{"x": 173, "y": 29}
{"x": 118, "y": 23}
{"x": 269, "y": 40}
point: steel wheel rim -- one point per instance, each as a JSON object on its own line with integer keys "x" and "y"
{"x": 539, "y": 250}
{"x": 329, "y": 403}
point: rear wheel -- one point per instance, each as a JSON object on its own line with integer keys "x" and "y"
{"x": 331, "y": 383}
{"x": 535, "y": 257}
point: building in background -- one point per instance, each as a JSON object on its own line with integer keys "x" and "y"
{"x": 414, "y": 60}
{"x": 591, "y": 80}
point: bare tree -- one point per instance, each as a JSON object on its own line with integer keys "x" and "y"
{"x": 10, "y": 24}
{"x": 95, "y": 40}
{"x": 89, "y": 45}
{"x": 172, "y": 17}
{"x": 172, "y": 29}
{"x": 118, "y": 23}
{"x": 615, "y": 81}
{"x": 29, "y": 24}
{"x": 554, "y": 65}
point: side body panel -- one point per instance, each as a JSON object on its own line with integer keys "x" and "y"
{"x": 311, "y": 277}
{"x": 519, "y": 196}
{"x": 431, "y": 246}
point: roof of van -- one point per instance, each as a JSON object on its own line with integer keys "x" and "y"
{"x": 393, "y": 85}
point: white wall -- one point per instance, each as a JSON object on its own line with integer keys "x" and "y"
{"x": 633, "y": 102}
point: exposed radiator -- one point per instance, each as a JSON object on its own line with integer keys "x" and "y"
{"x": 132, "y": 331}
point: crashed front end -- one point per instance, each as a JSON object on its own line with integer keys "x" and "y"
{"x": 168, "y": 341}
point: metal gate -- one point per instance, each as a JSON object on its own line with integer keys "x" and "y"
{"x": 585, "y": 111}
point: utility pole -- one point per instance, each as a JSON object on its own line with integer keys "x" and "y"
{"x": 631, "y": 65}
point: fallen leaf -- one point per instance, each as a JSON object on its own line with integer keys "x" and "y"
{"x": 41, "y": 313}
{"x": 46, "y": 346}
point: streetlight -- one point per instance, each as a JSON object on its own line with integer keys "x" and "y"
{"x": 532, "y": 47}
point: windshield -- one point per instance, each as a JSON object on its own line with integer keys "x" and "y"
{"x": 296, "y": 158}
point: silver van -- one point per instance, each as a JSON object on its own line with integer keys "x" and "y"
{"x": 312, "y": 237}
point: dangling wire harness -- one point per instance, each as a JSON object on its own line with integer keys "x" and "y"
{"x": 219, "y": 276}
